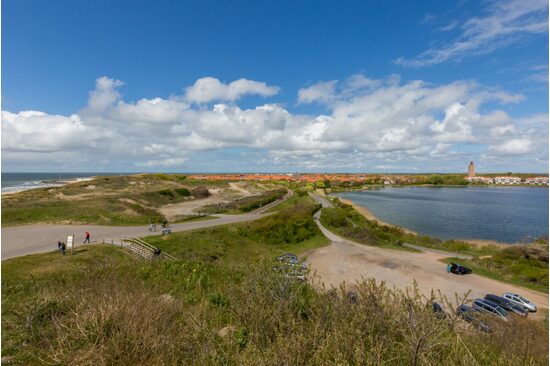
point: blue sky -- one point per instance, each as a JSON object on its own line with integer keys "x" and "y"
{"x": 324, "y": 86}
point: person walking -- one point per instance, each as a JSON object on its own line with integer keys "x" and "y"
{"x": 63, "y": 247}
{"x": 59, "y": 245}
{"x": 87, "y": 240}
{"x": 448, "y": 268}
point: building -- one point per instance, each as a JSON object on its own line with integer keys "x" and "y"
{"x": 471, "y": 169}
{"x": 507, "y": 180}
{"x": 485, "y": 180}
{"x": 539, "y": 181}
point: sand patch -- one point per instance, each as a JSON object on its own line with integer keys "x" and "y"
{"x": 193, "y": 207}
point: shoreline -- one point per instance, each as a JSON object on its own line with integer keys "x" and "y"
{"x": 45, "y": 184}
{"x": 370, "y": 216}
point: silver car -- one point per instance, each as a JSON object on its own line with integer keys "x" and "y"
{"x": 521, "y": 301}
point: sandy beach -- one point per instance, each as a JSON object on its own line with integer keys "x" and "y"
{"x": 46, "y": 184}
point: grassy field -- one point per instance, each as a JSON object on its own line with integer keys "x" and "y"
{"x": 103, "y": 306}
{"x": 524, "y": 265}
{"x": 124, "y": 200}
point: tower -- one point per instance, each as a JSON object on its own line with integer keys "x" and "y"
{"x": 471, "y": 169}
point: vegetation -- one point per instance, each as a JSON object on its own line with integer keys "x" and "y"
{"x": 524, "y": 265}
{"x": 347, "y": 222}
{"x": 103, "y": 306}
{"x": 247, "y": 204}
{"x": 112, "y": 200}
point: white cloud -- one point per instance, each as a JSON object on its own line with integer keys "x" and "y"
{"x": 209, "y": 89}
{"x": 506, "y": 22}
{"x": 319, "y": 92}
{"x": 369, "y": 123}
{"x": 514, "y": 147}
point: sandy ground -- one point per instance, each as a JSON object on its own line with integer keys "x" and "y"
{"x": 192, "y": 207}
{"x": 40, "y": 238}
{"x": 239, "y": 188}
{"x": 346, "y": 262}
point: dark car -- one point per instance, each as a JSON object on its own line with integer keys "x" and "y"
{"x": 471, "y": 315}
{"x": 438, "y": 310}
{"x": 460, "y": 270}
{"x": 352, "y": 297}
{"x": 506, "y": 304}
{"x": 491, "y": 308}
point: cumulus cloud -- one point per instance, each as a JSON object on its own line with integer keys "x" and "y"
{"x": 369, "y": 123}
{"x": 505, "y": 22}
{"x": 209, "y": 89}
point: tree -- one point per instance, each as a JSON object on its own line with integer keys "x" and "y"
{"x": 435, "y": 179}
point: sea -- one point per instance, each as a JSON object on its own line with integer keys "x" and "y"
{"x": 504, "y": 214}
{"x": 14, "y": 182}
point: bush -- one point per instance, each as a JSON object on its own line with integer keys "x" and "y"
{"x": 183, "y": 192}
{"x": 166, "y": 193}
{"x": 200, "y": 192}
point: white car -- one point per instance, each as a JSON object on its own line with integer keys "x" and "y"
{"x": 521, "y": 301}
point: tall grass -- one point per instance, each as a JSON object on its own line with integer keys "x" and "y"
{"x": 134, "y": 313}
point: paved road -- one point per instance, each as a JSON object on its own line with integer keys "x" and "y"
{"x": 349, "y": 262}
{"x": 40, "y": 238}
{"x": 320, "y": 199}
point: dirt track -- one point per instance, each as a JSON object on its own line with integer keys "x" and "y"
{"x": 345, "y": 261}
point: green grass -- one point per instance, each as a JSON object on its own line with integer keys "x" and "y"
{"x": 347, "y": 222}
{"x": 124, "y": 200}
{"x": 506, "y": 274}
{"x": 290, "y": 230}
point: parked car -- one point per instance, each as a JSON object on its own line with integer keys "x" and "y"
{"x": 521, "y": 301}
{"x": 438, "y": 310}
{"x": 490, "y": 308}
{"x": 352, "y": 297}
{"x": 292, "y": 267}
{"x": 460, "y": 270}
{"x": 288, "y": 258}
{"x": 470, "y": 315}
{"x": 506, "y": 304}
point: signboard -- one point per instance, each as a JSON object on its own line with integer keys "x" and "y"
{"x": 70, "y": 239}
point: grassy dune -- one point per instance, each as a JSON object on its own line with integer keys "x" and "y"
{"x": 124, "y": 200}
{"x": 103, "y": 306}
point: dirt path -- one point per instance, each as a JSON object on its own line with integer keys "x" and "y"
{"x": 40, "y": 238}
{"x": 345, "y": 261}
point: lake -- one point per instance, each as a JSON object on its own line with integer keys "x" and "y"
{"x": 505, "y": 214}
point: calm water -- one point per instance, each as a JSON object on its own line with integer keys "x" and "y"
{"x": 506, "y": 214}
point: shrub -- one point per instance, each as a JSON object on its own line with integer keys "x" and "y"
{"x": 183, "y": 192}
{"x": 200, "y": 192}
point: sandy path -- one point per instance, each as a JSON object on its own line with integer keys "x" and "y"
{"x": 191, "y": 207}
{"x": 236, "y": 187}
{"x": 345, "y": 261}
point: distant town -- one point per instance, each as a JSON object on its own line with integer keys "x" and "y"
{"x": 386, "y": 179}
